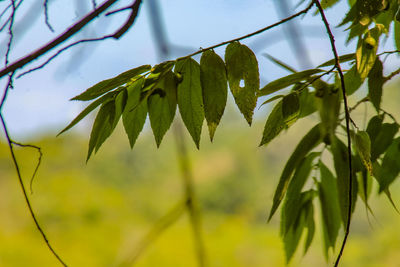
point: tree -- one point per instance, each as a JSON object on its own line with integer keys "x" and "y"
{"x": 200, "y": 91}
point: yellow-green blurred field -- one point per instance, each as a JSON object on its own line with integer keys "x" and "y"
{"x": 95, "y": 214}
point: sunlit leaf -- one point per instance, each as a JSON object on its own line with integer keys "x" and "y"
{"x": 309, "y": 141}
{"x": 243, "y": 77}
{"x": 362, "y": 145}
{"x": 162, "y": 106}
{"x": 134, "y": 115}
{"x": 190, "y": 98}
{"x": 366, "y": 52}
{"x": 109, "y": 84}
{"x": 286, "y": 81}
{"x": 215, "y": 88}
{"x": 330, "y": 210}
{"x": 375, "y": 84}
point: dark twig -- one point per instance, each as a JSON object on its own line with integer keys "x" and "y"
{"x": 38, "y": 163}
{"x": 5, "y": 10}
{"x": 10, "y": 17}
{"x": 391, "y": 75}
{"x": 28, "y": 203}
{"x": 58, "y": 40}
{"x": 46, "y": 15}
{"x": 347, "y": 114}
{"x": 10, "y": 33}
{"x": 191, "y": 202}
{"x": 304, "y": 11}
{"x": 94, "y": 4}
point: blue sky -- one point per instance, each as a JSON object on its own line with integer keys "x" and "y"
{"x": 39, "y": 103}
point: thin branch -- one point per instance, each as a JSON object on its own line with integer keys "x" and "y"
{"x": 191, "y": 202}
{"x": 347, "y": 114}
{"x": 389, "y": 52}
{"x": 46, "y": 15}
{"x": 5, "y": 10}
{"x": 10, "y": 33}
{"x": 38, "y": 163}
{"x": 58, "y": 40}
{"x": 158, "y": 228}
{"x": 9, "y": 18}
{"x": 28, "y": 203}
{"x": 391, "y": 75}
{"x": 94, "y": 4}
{"x": 304, "y": 11}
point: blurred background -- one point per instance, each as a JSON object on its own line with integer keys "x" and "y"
{"x": 95, "y": 214}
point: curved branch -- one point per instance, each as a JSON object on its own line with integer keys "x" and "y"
{"x": 60, "y": 39}
{"x": 348, "y": 120}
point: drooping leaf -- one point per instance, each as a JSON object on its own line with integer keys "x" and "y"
{"x": 342, "y": 59}
{"x": 362, "y": 145}
{"x": 390, "y": 166}
{"x": 383, "y": 139}
{"x": 310, "y": 224}
{"x": 271, "y": 100}
{"x": 274, "y": 125}
{"x": 366, "y": 52}
{"x": 215, "y": 88}
{"x": 307, "y": 103}
{"x": 88, "y": 109}
{"x": 352, "y": 80}
{"x": 290, "y": 209}
{"x": 374, "y": 127}
{"x": 134, "y": 115}
{"x": 330, "y": 210}
{"x": 102, "y": 126}
{"x": 290, "y": 108}
{"x": 286, "y": 81}
{"x": 190, "y": 98}
{"x": 328, "y": 104}
{"x": 375, "y": 84}
{"x": 280, "y": 63}
{"x": 397, "y": 34}
{"x": 341, "y": 164}
{"x": 243, "y": 77}
{"x": 162, "y": 106}
{"x": 365, "y": 187}
{"x": 309, "y": 141}
{"x": 120, "y": 103}
{"x": 109, "y": 84}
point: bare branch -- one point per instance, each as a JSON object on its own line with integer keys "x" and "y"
{"x": 46, "y": 15}
{"x": 58, "y": 40}
{"x": 9, "y": 18}
{"x": 348, "y": 120}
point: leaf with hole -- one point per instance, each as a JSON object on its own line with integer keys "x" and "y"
{"x": 109, "y": 84}
{"x": 242, "y": 67}
{"x": 190, "y": 97}
{"x": 215, "y": 88}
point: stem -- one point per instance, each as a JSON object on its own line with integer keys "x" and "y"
{"x": 347, "y": 114}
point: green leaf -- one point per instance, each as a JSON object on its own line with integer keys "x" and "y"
{"x": 190, "y": 99}
{"x": 215, "y": 88}
{"x": 342, "y": 59}
{"x": 362, "y": 145}
{"x": 328, "y": 103}
{"x": 390, "y": 165}
{"x": 109, "y": 84}
{"x": 290, "y": 209}
{"x": 280, "y": 63}
{"x": 328, "y": 3}
{"x": 274, "y": 125}
{"x": 307, "y": 103}
{"x": 120, "y": 103}
{"x": 375, "y": 84}
{"x": 290, "y": 108}
{"x": 374, "y": 127}
{"x": 242, "y": 67}
{"x": 341, "y": 164}
{"x": 366, "y": 52}
{"x": 134, "y": 115}
{"x": 310, "y": 224}
{"x": 397, "y": 34}
{"x": 383, "y": 139}
{"x": 307, "y": 143}
{"x": 286, "y": 81}
{"x": 88, "y": 109}
{"x": 162, "y": 106}
{"x": 102, "y": 127}
{"x": 271, "y": 100}
{"x": 352, "y": 80}
{"x": 330, "y": 210}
